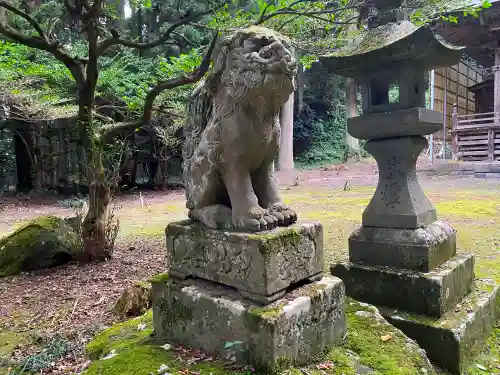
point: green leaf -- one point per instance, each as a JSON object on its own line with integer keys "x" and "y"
{"x": 486, "y": 4}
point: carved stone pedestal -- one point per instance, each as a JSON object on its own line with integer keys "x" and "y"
{"x": 260, "y": 266}
{"x": 266, "y": 292}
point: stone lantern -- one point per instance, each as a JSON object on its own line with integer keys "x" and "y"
{"x": 403, "y": 257}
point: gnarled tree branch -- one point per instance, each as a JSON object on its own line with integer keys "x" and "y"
{"x": 116, "y": 40}
{"x": 34, "y": 23}
{"x": 108, "y": 133}
{"x": 75, "y": 65}
{"x": 289, "y": 10}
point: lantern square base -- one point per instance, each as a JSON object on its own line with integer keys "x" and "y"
{"x": 432, "y": 293}
{"x": 455, "y": 338}
{"x": 421, "y": 250}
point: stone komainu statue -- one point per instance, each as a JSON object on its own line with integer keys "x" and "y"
{"x": 233, "y": 133}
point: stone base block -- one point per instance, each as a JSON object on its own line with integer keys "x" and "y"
{"x": 433, "y": 293}
{"x": 295, "y": 330}
{"x": 422, "y": 249}
{"x": 455, "y": 338}
{"x": 260, "y": 265}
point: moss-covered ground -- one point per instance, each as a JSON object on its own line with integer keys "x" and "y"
{"x": 474, "y": 211}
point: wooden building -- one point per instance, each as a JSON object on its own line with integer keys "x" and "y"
{"x": 472, "y": 110}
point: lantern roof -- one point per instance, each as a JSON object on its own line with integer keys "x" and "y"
{"x": 388, "y": 46}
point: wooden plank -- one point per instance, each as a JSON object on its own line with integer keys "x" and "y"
{"x": 469, "y": 149}
{"x": 475, "y": 121}
{"x": 473, "y": 137}
{"x": 475, "y": 142}
{"x": 477, "y": 127}
{"x": 491, "y": 144}
{"x": 473, "y": 153}
{"x": 479, "y": 118}
{"x": 491, "y": 114}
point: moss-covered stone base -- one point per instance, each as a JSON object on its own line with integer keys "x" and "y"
{"x": 460, "y": 334}
{"x": 432, "y": 293}
{"x": 128, "y": 349}
{"x": 294, "y": 330}
{"x": 44, "y": 242}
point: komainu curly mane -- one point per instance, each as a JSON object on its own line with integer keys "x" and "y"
{"x": 232, "y": 133}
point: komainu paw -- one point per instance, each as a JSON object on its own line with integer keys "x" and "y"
{"x": 283, "y": 213}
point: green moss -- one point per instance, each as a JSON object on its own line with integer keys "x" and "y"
{"x": 8, "y": 341}
{"x": 489, "y": 357}
{"x": 121, "y": 336}
{"x": 470, "y": 208}
{"x": 266, "y": 312}
{"x": 393, "y": 357}
{"x": 282, "y": 363}
{"x": 343, "y": 364}
{"x": 43, "y": 242}
{"x": 135, "y": 352}
{"x": 273, "y": 243}
{"x": 159, "y": 278}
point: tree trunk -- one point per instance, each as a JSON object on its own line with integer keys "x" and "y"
{"x": 300, "y": 87}
{"x": 285, "y": 158}
{"x": 120, "y": 9}
{"x": 94, "y": 225}
{"x": 351, "y": 107}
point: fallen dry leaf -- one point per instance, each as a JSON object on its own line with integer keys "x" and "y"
{"x": 325, "y": 366}
{"x": 386, "y": 338}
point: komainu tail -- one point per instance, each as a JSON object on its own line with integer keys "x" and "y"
{"x": 199, "y": 111}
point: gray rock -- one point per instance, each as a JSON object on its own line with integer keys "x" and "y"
{"x": 261, "y": 266}
{"x": 421, "y": 249}
{"x": 44, "y": 242}
{"x": 295, "y": 330}
{"x": 433, "y": 293}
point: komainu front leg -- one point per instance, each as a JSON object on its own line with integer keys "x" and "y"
{"x": 246, "y": 212}
{"x": 268, "y": 194}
